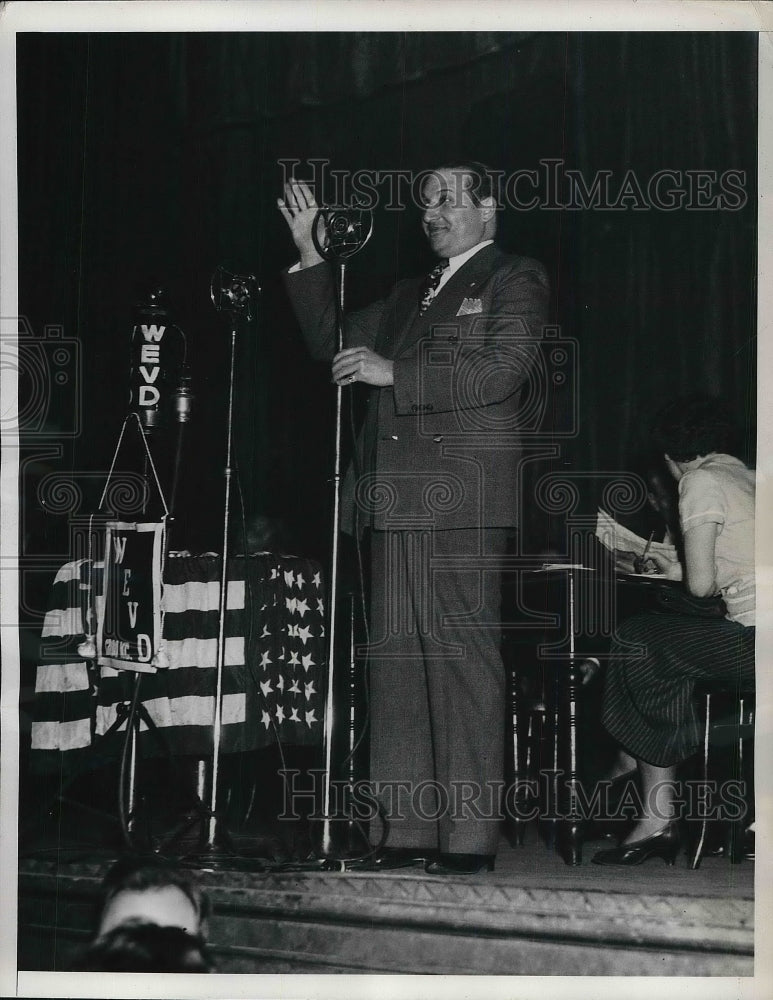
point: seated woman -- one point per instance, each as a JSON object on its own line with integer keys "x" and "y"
{"x": 648, "y": 697}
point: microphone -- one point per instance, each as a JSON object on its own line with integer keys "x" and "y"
{"x": 340, "y": 233}
{"x": 183, "y": 396}
{"x": 233, "y": 293}
{"x": 157, "y": 354}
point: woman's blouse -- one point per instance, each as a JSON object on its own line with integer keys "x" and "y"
{"x": 721, "y": 490}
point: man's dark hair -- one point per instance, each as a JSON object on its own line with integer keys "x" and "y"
{"x": 141, "y": 875}
{"x": 141, "y": 947}
{"x": 694, "y": 425}
{"x": 484, "y": 181}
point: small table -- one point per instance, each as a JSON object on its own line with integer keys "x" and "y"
{"x": 558, "y": 616}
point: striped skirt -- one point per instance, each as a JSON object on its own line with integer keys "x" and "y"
{"x": 655, "y": 662}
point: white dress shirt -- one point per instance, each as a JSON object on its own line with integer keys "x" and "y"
{"x": 454, "y": 263}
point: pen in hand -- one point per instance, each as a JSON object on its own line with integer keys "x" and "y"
{"x": 640, "y": 562}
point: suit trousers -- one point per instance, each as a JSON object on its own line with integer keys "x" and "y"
{"x": 656, "y": 661}
{"x": 437, "y": 687}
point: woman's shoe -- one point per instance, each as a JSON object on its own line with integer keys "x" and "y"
{"x": 663, "y": 844}
{"x": 617, "y": 803}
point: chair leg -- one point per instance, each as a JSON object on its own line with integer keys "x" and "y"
{"x": 734, "y": 844}
{"x": 515, "y": 823}
{"x": 698, "y": 852}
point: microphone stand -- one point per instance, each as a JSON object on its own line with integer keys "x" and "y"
{"x": 326, "y": 842}
{"x": 212, "y": 842}
{"x": 338, "y": 234}
{"x": 231, "y": 294}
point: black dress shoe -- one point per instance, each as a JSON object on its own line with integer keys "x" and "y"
{"x": 460, "y": 864}
{"x": 663, "y": 844}
{"x": 391, "y": 858}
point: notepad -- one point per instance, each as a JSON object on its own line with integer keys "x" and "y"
{"x": 614, "y": 536}
{"x": 545, "y": 566}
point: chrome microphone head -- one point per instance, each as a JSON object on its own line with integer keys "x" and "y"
{"x": 183, "y": 396}
{"x": 340, "y": 233}
{"x": 233, "y": 293}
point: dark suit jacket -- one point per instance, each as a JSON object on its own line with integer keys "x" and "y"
{"x": 441, "y": 447}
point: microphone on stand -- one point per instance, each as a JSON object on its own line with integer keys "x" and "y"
{"x": 338, "y": 234}
{"x": 233, "y": 295}
{"x": 182, "y": 396}
{"x": 151, "y": 354}
{"x": 182, "y": 400}
{"x": 158, "y": 351}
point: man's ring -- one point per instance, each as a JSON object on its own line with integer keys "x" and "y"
{"x": 352, "y": 378}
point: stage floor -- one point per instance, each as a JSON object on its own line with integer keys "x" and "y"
{"x": 533, "y": 915}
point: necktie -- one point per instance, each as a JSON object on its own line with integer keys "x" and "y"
{"x": 431, "y": 283}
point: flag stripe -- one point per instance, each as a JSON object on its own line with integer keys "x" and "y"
{"x": 61, "y": 735}
{"x": 274, "y": 671}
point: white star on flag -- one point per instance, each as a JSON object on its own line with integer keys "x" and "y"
{"x": 265, "y": 659}
{"x": 292, "y": 631}
{"x": 280, "y": 714}
{"x": 317, "y": 580}
{"x": 265, "y": 633}
{"x": 280, "y": 684}
{"x": 294, "y": 715}
{"x": 301, "y": 606}
{"x": 290, "y": 604}
{"x": 320, "y": 606}
{"x": 303, "y": 633}
{"x": 295, "y": 689}
{"x": 293, "y": 661}
{"x": 289, "y": 577}
{"x": 265, "y": 719}
{"x": 310, "y": 717}
{"x": 300, "y": 581}
{"x": 282, "y": 654}
{"x": 309, "y": 689}
{"x": 308, "y": 662}
{"x": 265, "y": 687}
{"x": 274, "y": 573}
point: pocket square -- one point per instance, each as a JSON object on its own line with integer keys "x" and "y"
{"x": 470, "y": 306}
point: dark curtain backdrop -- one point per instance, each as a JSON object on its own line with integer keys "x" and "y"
{"x": 159, "y": 156}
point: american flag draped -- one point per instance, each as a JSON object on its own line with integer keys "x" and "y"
{"x": 274, "y": 673}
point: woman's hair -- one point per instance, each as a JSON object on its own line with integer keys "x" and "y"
{"x": 693, "y": 425}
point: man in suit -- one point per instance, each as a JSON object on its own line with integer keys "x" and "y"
{"x": 436, "y": 481}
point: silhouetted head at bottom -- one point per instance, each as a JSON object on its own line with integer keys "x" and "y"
{"x": 144, "y": 947}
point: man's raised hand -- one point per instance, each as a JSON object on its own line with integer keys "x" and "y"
{"x": 300, "y": 210}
